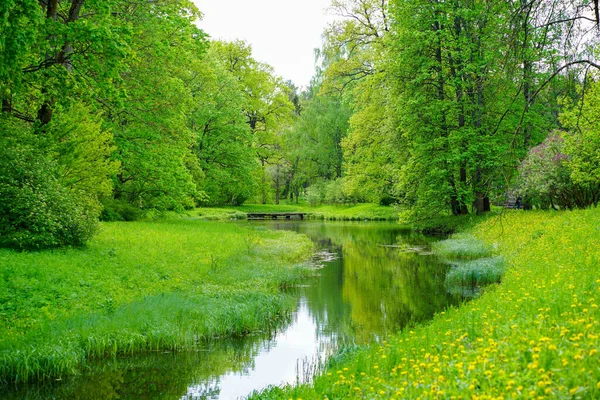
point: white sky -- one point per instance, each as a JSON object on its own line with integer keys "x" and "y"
{"x": 282, "y": 33}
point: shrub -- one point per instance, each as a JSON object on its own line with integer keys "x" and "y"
{"x": 334, "y": 192}
{"x": 315, "y": 194}
{"x": 387, "y": 200}
{"x": 117, "y": 210}
{"x": 36, "y": 210}
{"x": 545, "y": 178}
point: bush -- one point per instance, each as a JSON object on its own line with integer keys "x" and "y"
{"x": 36, "y": 210}
{"x": 387, "y": 200}
{"x": 545, "y": 178}
{"x": 118, "y": 210}
{"x": 334, "y": 192}
{"x": 315, "y": 194}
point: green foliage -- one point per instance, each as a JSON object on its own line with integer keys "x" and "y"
{"x": 315, "y": 193}
{"x": 152, "y": 137}
{"x": 83, "y": 151}
{"x": 582, "y": 141}
{"x": 244, "y": 110}
{"x": 220, "y": 214}
{"x": 118, "y": 210}
{"x": 317, "y": 135}
{"x": 36, "y": 210}
{"x": 446, "y": 224}
{"x": 334, "y": 192}
{"x": 224, "y": 139}
{"x": 546, "y": 178}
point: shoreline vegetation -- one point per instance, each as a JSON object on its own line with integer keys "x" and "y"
{"x": 140, "y": 286}
{"x": 350, "y": 212}
{"x": 535, "y": 335}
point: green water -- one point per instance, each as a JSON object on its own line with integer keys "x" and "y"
{"x": 377, "y": 280}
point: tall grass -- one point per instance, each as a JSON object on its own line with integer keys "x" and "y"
{"x": 462, "y": 248}
{"x": 483, "y": 271}
{"x": 142, "y": 286}
{"x": 536, "y": 335}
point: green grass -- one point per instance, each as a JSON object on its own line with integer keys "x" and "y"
{"x": 358, "y": 212}
{"x": 141, "y": 286}
{"x": 448, "y": 224}
{"x": 462, "y": 248}
{"x": 218, "y": 214}
{"x": 483, "y": 271}
{"x": 536, "y": 335}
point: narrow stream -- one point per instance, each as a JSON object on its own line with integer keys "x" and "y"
{"x": 376, "y": 280}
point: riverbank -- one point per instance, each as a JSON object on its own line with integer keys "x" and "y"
{"x": 357, "y": 212}
{"x": 536, "y": 335}
{"x": 163, "y": 285}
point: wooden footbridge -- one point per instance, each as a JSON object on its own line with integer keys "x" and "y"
{"x": 277, "y": 215}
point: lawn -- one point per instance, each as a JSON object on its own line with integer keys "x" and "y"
{"x": 142, "y": 285}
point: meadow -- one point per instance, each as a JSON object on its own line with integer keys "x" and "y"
{"x": 534, "y": 335}
{"x": 349, "y": 212}
{"x": 138, "y": 286}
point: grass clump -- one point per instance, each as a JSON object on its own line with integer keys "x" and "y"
{"x": 536, "y": 335}
{"x": 162, "y": 285}
{"x": 483, "y": 271}
{"x": 462, "y": 248}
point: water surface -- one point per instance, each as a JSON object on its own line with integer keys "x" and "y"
{"x": 378, "y": 279}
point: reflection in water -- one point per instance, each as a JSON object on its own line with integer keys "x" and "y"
{"x": 279, "y": 362}
{"x": 371, "y": 290}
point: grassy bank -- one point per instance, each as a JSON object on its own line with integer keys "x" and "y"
{"x": 358, "y": 212}
{"x": 536, "y": 335}
{"x": 140, "y": 286}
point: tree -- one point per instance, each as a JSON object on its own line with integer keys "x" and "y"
{"x": 82, "y": 77}
{"x": 154, "y": 142}
{"x": 582, "y": 140}
{"x": 223, "y": 136}
{"x": 546, "y": 178}
{"x": 267, "y": 105}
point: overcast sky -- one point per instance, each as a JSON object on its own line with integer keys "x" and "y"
{"x": 283, "y": 33}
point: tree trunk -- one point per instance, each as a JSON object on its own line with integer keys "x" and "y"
{"x": 6, "y": 106}
{"x": 263, "y": 179}
{"x": 481, "y": 203}
{"x": 64, "y": 56}
{"x": 462, "y": 206}
{"x": 277, "y": 185}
